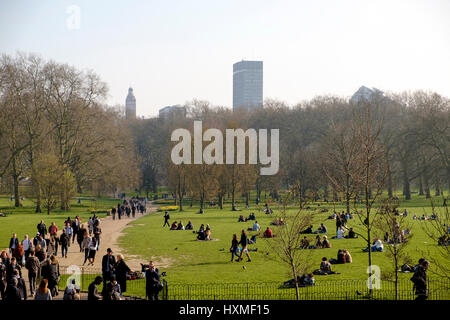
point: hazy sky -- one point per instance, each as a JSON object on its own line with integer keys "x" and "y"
{"x": 173, "y": 51}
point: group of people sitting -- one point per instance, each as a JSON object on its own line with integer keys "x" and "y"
{"x": 343, "y": 256}
{"x": 180, "y": 226}
{"x": 278, "y": 222}
{"x": 304, "y": 280}
{"x": 318, "y": 243}
{"x": 250, "y": 217}
{"x": 309, "y": 230}
{"x": 267, "y": 210}
{"x": 343, "y": 216}
{"x": 432, "y": 217}
{"x": 204, "y": 233}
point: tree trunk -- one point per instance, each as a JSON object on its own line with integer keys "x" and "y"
{"x": 427, "y": 187}
{"x": 438, "y": 187}
{"x": 406, "y": 186}
{"x": 15, "y": 176}
{"x": 421, "y": 193}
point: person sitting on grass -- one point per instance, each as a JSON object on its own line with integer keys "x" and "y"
{"x": 339, "y": 233}
{"x": 348, "y": 257}
{"x": 351, "y": 234}
{"x": 309, "y": 279}
{"x": 189, "y": 226}
{"x": 180, "y": 226}
{"x": 307, "y": 230}
{"x": 318, "y": 242}
{"x": 268, "y": 233}
{"x": 241, "y": 219}
{"x": 376, "y": 247}
{"x": 256, "y": 226}
{"x": 325, "y": 242}
{"x": 208, "y": 234}
{"x": 304, "y": 243}
{"x": 321, "y": 229}
{"x": 174, "y": 226}
{"x": 325, "y": 267}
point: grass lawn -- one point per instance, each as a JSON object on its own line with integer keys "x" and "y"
{"x": 198, "y": 261}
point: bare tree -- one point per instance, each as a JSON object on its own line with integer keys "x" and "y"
{"x": 286, "y": 243}
{"x": 392, "y": 226}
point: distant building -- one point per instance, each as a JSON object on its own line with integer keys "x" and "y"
{"x": 247, "y": 84}
{"x": 172, "y": 111}
{"x": 366, "y": 94}
{"x": 130, "y": 105}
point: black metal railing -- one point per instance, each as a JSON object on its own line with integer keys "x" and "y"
{"x": 322, "y": 290}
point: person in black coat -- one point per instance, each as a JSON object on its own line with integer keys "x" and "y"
{"x": 10, "y": 269}
{"x": 64, "y": 241}
{"x": 108, "y": 265}
{"x": 20, "y": 285}
{"x": 420, "y": 281}
{"x": 12, "y": 291}
{"x": 152, "y": 283}
{"x": 42, "y": 229}
{"x": 53, "y": 275}
{"x": 13, "y": 243}
{"x": 121, "y": 272}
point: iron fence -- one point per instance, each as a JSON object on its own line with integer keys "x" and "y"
{"x": 322, "y": 290}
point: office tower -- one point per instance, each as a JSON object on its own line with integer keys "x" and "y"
{"x": 247, "y": 84}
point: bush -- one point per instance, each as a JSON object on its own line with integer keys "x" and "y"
{"x": 168, "y": 208}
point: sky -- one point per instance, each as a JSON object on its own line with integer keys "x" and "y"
{"x": 173, "y": 51}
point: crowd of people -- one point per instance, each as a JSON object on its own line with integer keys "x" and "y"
{"x": 129, "y": 207}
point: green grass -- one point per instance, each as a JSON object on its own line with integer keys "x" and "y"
{"x": 205, "y": 262}
{"x": 197, "y": 261}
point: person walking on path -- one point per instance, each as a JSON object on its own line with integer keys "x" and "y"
{"x": 33, "y": 266}
{"x": 53, "y": 275}
{"x": 244, "y": 243}
{"x": 85, "y": 246}
{"x": 113, "y": 212}
{"x": 166, "y": 219}
{"x": 152, "y": 283}
{"x": 64, "y": 241}
{"x": 27, "y": 245}
{"x": 69, "y": 232}
{"x": 122, "y": 270}
{"x": 43, "y": 293}
{"x": 97, "y": 233}
{"x": 13, "y": 243}
{"x": 42, "y": 229}
{"x": 108, "y": 264}
{"x": 93, "y": 247}
{"x": 75, "y": 228}
{"x": 90, "y": 225}
{"x": 80, "y": 237}
{"x": 53, "y": 229}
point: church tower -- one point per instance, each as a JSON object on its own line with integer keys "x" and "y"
{"x": 130, "y": 105}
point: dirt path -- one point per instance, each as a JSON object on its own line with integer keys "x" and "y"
{"x": 111, "y": 231}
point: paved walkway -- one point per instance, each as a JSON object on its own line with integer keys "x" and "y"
{"x": 111, "y": 231}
